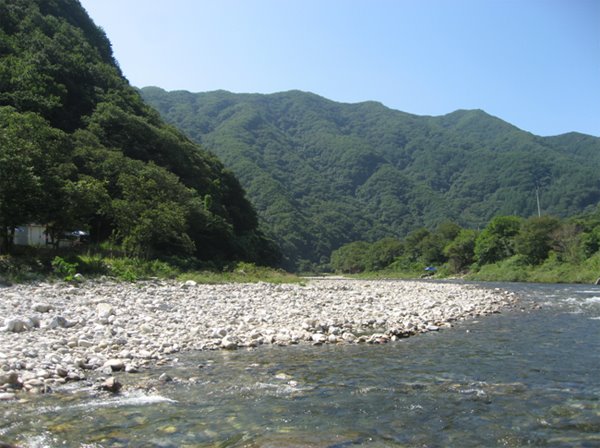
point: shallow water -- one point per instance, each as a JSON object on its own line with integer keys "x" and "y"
{"x": 521, "y": 378}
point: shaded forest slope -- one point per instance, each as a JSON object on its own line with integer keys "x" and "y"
{"x": 79, "y": 148}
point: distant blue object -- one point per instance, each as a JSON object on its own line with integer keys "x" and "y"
{"x": 431, "y": 269}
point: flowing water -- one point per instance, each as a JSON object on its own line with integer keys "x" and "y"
{"x": 522, "y": 378}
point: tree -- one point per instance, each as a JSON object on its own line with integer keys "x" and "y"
{"x": 77, "y": 204}
{"x": 158, "y": 231}
{"x": 152, "y": 213}
{"x": 382, "y": 253}
{"x": 496, "y": 241}
{"x": 26, "y": 153}
{"x": 461, "y": 250}
{"x": 19, "y": 191}
{"x": 534, "y": 240}
{"x": 350, "y": 258}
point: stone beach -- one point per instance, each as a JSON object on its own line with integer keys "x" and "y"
{"x": 53, "y": 333}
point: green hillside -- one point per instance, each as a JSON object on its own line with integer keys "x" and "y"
{"x": 80, "y": 149}
{"x": 322, "y": 174}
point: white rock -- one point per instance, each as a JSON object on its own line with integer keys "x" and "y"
{"x": 319, "y": 338}
{"x": 114, "y": 364}
{"x": 7, "y": 396}
{"x": 15, "y": 325}
{"x": 42, "y": 307}
{"x": 348, "y": 337}
{"x": 228, "y": 344}
{"x": 60, "y": 322}
{"x": 189, "y": 284}
{"x": 104, "y": 310}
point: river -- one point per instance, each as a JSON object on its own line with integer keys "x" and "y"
{"x": 527, "y": 377}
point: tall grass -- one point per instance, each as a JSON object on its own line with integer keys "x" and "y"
{"x": 241, "y": 273}
{"x": 45, "y": 264}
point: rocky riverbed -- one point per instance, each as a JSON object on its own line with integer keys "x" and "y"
{"x": 56, "y": 333}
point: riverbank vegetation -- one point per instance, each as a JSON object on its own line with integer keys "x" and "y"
{"x": 509, "y": 248}
{"x": 74, "y": 265}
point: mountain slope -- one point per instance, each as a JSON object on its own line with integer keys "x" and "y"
{"x": 92, "y": 154}
{"x": 323, "y": 173}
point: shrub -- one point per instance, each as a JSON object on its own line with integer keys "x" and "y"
{"x": 64, "y": 269}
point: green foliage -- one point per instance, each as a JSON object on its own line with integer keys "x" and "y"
{"x": 92, "y": 264}
{"x": 241, "y": 273}
{"x": 79, "y": 149}
{"x": 351, "y": 258}
{"x": 513, "y": 269}
{"x": 460, "y": 252}
{"x": 534, "y": 240}
{"x": 133, "y": 269}
{"x": 496, "y": 241}
{"x": 544, "y": 249}
{"x": 322, "y": 174}
{"x": 21, "y": 268}
{"x": 64, "y": 269}
{"x": 382, "y": 253}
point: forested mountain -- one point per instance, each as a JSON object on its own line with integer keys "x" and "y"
{"x": 80, "y": 149}
{"x": 322, "y": 173}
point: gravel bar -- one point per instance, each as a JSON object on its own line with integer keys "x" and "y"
{"x": 54, "y": 333}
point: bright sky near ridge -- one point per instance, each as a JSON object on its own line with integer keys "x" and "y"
{"x": 533, "y": 63}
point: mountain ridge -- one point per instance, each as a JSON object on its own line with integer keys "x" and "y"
{"x": 362, "y": 171}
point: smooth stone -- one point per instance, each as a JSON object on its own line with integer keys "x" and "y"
{"x": 84, "y": 343}
{"x": 219, "y": 333}
{"x": 7, "y": 396}
{"x": 165, "y": 378}
{"x": 42, "y": 307}
{"x": 32, "y": 322}
{"x": 11, "y": 378}
{"x": 104, "y": 310}
{"x": 348, "y": 337}
{"x": 60, "y": 322}
{"x": 111, "y": 385}
{"x": 114, "y": 364}
{"x": 15, "y": 325}
{"x": 189, "y": 284}
{"x": 131, "y": 368}
{"x": 34, "y": 382}
{"x": 319, "y": 338}
{"x": 228, "y": 344}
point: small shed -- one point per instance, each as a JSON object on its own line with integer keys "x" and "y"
{"x": 30, "y": 235}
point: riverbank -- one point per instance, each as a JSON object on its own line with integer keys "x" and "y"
{"x": 55, "y": 333}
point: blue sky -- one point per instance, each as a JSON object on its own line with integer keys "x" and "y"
{"x": 533, "y": 63}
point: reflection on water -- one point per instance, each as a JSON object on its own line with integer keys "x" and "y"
{"x": 516, "y": 379}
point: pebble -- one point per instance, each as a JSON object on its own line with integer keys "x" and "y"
{"x": 100, "y": 327}
{"x": 6, "y": 396}
{"x": 111, "y": 385}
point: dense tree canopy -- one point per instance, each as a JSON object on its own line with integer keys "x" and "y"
{"x": 564, "y": 244}
{"x": 322, "y": 174}
{"x": 79, "y": 149}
